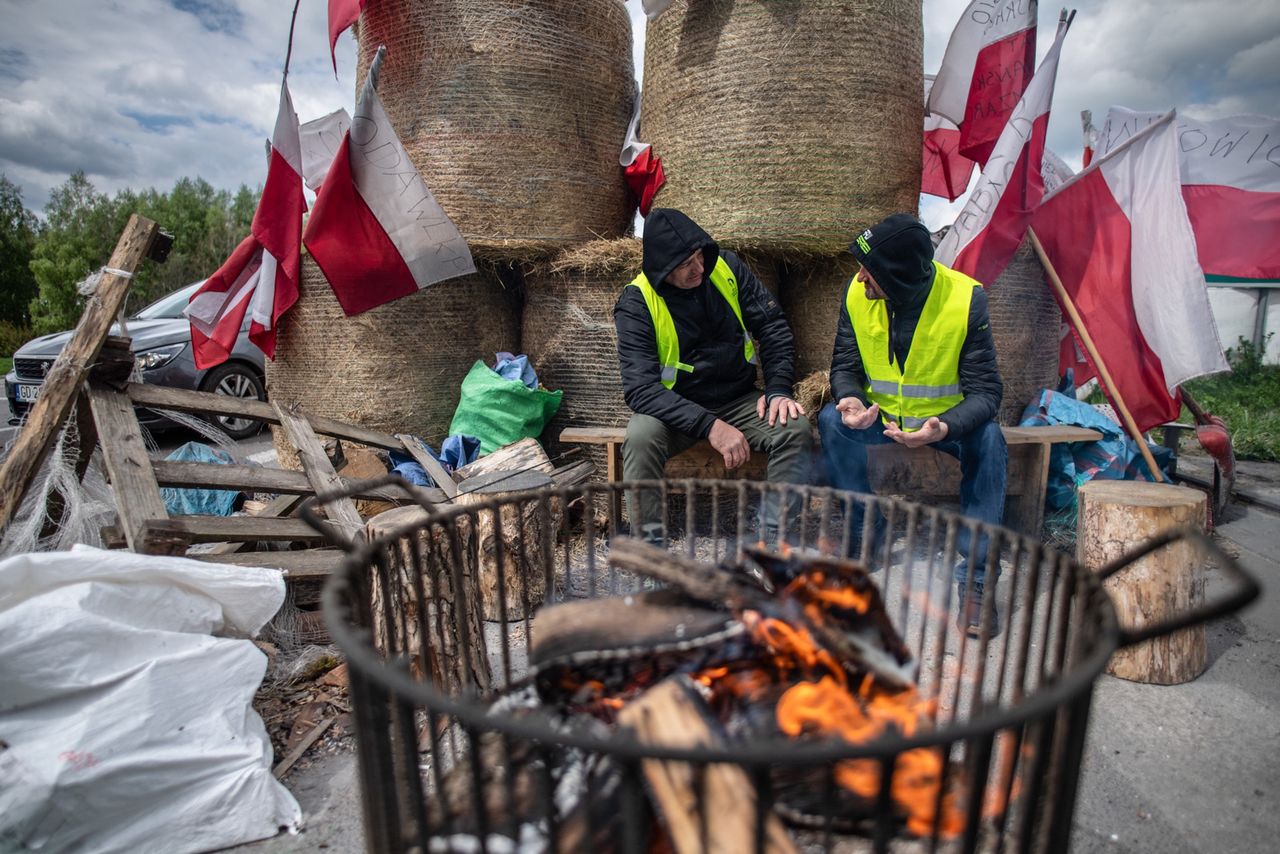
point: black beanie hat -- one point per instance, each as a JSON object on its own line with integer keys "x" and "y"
{"x": 898, "y": 253}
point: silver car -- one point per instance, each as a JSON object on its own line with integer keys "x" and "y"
{"x": 162, "y": 346}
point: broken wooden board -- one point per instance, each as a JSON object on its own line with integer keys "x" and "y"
{"x": 69, "y": 370}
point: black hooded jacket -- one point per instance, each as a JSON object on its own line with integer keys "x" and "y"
{"x": 709, "y": 333}
{"x": 900, "y": 259}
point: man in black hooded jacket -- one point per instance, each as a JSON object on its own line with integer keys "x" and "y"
{"x": 690, "y": 327}
{"x": 914, "y": 363}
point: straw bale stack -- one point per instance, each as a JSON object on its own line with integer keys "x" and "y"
{"x": 812, "y": 298}
{"x": 514, "y": 113}
{"x": 568, "y": 334}
{"x": 1025, "y": 323}
{"x": 786, "y": 126}
{"x": 395, "y": 368}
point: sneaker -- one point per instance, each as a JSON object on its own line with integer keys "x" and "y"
{"x": 969, "y": 613}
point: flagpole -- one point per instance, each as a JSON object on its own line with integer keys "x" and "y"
{"x": 1105, "y": 375}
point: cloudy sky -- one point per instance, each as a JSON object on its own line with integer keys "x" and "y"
{"x": 138, "y": 93}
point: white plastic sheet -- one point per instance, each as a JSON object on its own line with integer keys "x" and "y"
{"x": 126, "y": 684}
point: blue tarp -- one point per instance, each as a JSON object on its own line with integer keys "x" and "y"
{"x": 512, "y": 367}
{"x": 455, "y": 453}
{"x": 200, "y": 502}
{"x": 1113, "y": 457}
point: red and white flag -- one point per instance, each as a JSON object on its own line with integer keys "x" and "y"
{"x": 641, "y": 168}
{"x": 342, "y": 14}
{"x": 946, "y": 172}
{"x": 377, "y": 232}
{"x": 260, "y": 278}
{"x": 994, "y": 220}
{"x": 1119, "y": 238}
{"x": 320, "y": 140}
{"x": 1230, "y": 172}
{"x": 985, "y": 70}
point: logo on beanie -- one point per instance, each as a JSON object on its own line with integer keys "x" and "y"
{"x": 862, "y": 242}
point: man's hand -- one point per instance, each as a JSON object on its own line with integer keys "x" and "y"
{"x": 730, "y": 442}
{"x": 855, "y": 414}
{"x": 780, "y": 409}
{"x": 932, "y": 431}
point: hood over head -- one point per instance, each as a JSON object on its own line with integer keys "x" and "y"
{"x": 669, "y": 238}
{"x": 898, "y": 253}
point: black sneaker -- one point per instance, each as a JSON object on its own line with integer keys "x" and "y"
{"x": 969, "y": 613}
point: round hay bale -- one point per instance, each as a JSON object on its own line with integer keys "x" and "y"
{"x": 514, "y": 113}
{"x": 786, "y": 126}
{"x": 812, "y": 298}
{"x": 396, "y": 368}
{"x": 568, "y": 334}
{"x": 1025, "y": 323}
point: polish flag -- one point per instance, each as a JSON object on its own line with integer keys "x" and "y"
{"x": 260, "y": 279}
{"x": 1119, "y": 238}
{"x": 320, "y": 140}
{"x": 985, "y": 70}
{"x": 946, "y": 172}
{"x": 641, "y": 168}
{"x": 342, "y": 14}
{"x": 992, "y": 223}
{"x": 1230, "y": 172}
{"x": 377, "y": 232}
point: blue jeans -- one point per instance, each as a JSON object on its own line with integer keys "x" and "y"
{"x": 984, "y": 471}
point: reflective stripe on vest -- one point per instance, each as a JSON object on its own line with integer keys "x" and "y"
{"x": 929, "y": 383}
{"x": 665, "y": 328}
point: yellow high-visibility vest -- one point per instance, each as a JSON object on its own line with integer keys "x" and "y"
{"x": 929, "y": 383}
{"x": 665, "y": 328}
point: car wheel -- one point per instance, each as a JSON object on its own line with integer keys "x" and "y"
{"x": 235, "y": 381}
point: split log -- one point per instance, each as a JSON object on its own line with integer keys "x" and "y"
{"x": 525, "y": 455}
{"x": 507, "y": 543}
{"x": 704, "y": 809}
{"x": 1116, "y": 516}
{"x": 444, "y": 643}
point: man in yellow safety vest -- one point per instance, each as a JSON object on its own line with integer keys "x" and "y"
{"x": 692, "y": 328}
{"x": 914, "y": 363}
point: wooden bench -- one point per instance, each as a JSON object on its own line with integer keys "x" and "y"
{"x": 917, "y": 473}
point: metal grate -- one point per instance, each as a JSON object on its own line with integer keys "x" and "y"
{"x": 454, "y": 755}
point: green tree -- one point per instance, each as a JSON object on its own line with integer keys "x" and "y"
{"x": 83, "y": 225}
{"x": 18, "y": 229}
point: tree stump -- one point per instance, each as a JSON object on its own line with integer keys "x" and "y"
{"x": 507, "y": 543}
{"x": 430, "y": 629}
{"x": 1117, "y": 516}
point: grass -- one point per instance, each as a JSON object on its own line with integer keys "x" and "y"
{"x": 6, "y": 365}
{"x": 1248, "y": 399}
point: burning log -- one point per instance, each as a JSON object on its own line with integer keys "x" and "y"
{"x": 704, "y": 809}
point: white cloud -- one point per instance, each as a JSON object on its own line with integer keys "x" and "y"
{"x": 141, "y": 92}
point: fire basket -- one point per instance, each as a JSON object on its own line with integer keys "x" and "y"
{"x": 771, "y": 668}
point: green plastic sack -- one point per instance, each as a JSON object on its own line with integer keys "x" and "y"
{"x": 499, "y": 412}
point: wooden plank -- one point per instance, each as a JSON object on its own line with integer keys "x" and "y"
{"x": 193, "y": 475}
{"x": 323, "y": 477}
{"x": 309, "y": 739}
{"x": 594, "y": 435}
{"x": 1051, "y": 434}
{"x": 306, "y": 564}
{"x": 525, "y": 455}
{"x": 133, "y": 482}
{"x": 443, "y": 479}
{"x": 182, "y": 400}
{"x": 68, "y": 372}
{"x": 281, "y": 505}
{"x": 244, "y": 529}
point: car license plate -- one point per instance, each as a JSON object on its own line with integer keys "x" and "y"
{"x": 28, "y": 393}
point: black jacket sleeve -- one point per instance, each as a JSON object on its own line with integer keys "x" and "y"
{"x": 847, "y": 377}
{"x": 763, "y": 317}
{"x": 642, "y": 374}
{"x": 979, "y": 375}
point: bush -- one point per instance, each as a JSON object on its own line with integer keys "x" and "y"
{"x": 13, "y": 336}
{"x": 1248, "y": 399}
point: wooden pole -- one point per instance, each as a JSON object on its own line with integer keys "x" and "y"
{"x": 1105, "y": 375}
{"x": 66, "y": 377}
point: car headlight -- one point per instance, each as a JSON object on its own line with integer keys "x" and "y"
{"x": 149, "y": 360}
